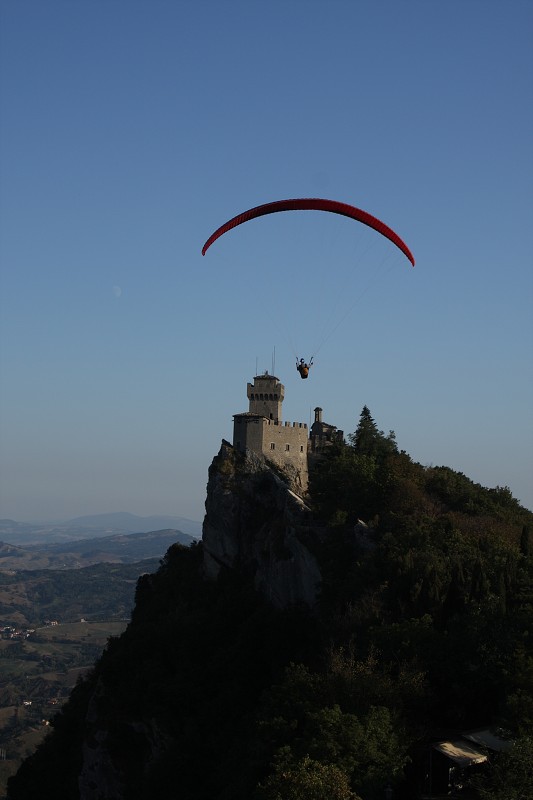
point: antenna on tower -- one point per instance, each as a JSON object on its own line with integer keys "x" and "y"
{"x": 256, "y": 367}
{"x": 274, "y": 361}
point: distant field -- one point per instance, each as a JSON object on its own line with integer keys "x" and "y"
{"x": 76, "y": 631}
{"x": 42, "y": 670}
{"x": 38, "y": 673}
{"x": 25, "y": 745}
{"x": 5, "y": 714}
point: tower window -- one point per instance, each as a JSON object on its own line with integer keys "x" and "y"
{"x": 287, "y": 447}
{"x": 272, "y": 446}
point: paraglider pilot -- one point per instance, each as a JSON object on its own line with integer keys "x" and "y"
{"x": 303, "y": 368}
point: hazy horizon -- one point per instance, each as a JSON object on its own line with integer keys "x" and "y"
{"x": 75, "y": 518}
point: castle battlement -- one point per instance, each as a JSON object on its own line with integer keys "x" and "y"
{"x": 283, "y": 424}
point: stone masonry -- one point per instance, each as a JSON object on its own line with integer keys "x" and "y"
{"x": 262, "y": 431}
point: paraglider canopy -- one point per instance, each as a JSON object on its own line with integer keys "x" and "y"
{"x": 312, "y": 204}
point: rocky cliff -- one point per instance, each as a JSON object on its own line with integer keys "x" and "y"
{"x": 170, "y": 695}
{"x": 256, "y": 524}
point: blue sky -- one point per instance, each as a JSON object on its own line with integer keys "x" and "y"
{"x": 131, "y": 129}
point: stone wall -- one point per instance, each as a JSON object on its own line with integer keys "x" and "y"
{"x": 282, "y": 443}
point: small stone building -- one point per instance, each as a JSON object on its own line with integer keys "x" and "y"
{"x": 322, "y": 435}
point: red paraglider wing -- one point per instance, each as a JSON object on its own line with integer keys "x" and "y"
{"x": 312, "y": 204}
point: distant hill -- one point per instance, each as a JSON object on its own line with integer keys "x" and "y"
{"x": 90, "y": 527}
{"x": 134, "y": 524}
{"x": 99, "y": 591}
{"x": 120, "y": 548}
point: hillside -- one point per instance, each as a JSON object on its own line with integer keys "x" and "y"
{"x": 90, "y": 527}
{"x": 53, "y": 625}
{"x": 240, "y": 677}
{"x": 119, "y": 548}
{"x": 100, "y": 591}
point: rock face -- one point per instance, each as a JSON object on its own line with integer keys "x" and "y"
{"x": 130, "y": 721}
{"x": 257, "y": 525}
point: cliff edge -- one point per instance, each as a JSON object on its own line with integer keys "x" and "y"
{"x": 256, "y": 524}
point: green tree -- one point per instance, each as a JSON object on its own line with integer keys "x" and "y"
{"x": 511, "y": 776}
{"x": 301, "y": 717}
{"x": 305, "y": 779}
{"x": 524, "y": 541}
{"x": 369, "y": 440}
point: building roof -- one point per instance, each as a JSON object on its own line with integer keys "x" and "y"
{"x": 324, "y": 425}
{"x": 487, "y": 739}
{"x": 463, "y": 754}
{"x": 265, "y": 376}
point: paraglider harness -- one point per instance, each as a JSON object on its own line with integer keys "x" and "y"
{"x": 304, "y": 368}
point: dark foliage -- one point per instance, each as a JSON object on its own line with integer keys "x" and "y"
{"x": 423, "y": 628}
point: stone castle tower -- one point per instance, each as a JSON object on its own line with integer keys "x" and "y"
{"x": 266, "y": 396}
{"x": 261, "y": 430}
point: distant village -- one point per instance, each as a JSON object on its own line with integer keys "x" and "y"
{"x": 11, "y": 632}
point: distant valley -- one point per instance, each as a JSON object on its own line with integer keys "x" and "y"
{"x": 65, "y": 589}
{"x": 118, "y": 548}
{"x": 92, "y": 527}
{"x": 54, "y": 624}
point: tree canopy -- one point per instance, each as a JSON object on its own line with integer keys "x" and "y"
{"x": 423, "y": 627}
